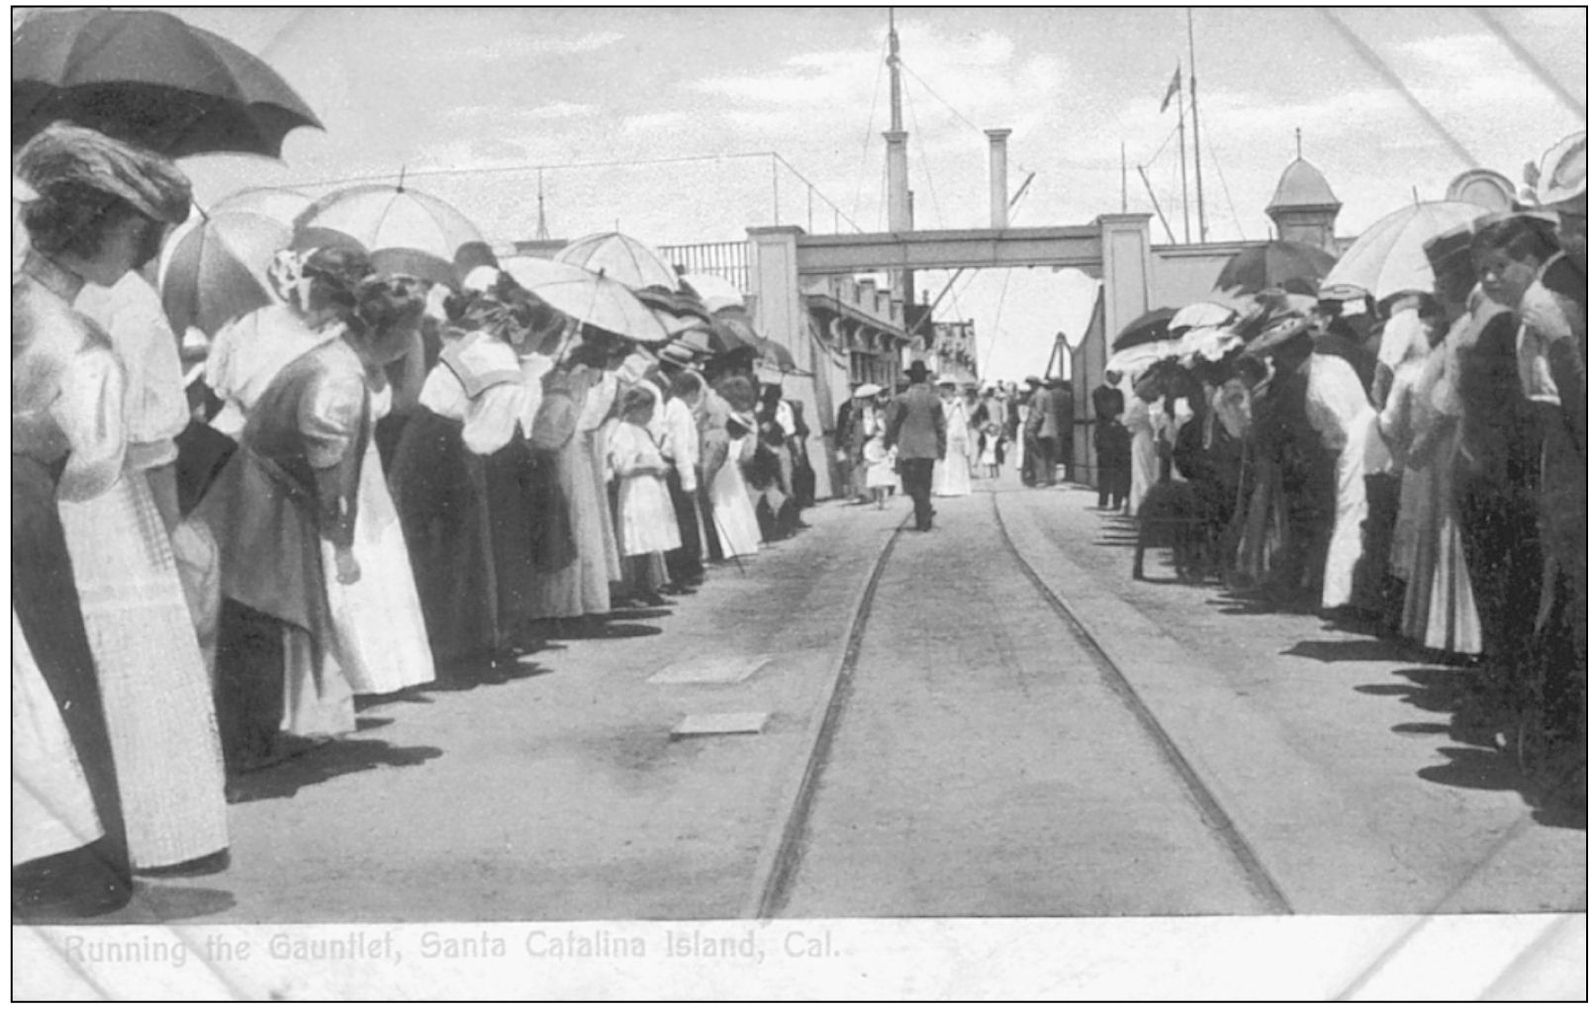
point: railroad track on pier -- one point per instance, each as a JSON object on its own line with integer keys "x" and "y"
{"x": 789, "y": 843}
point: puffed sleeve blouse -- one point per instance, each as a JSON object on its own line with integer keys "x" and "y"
{"x": 67, "y": 393}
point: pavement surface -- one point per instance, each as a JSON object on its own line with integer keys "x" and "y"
{"x": 980, "y": 767}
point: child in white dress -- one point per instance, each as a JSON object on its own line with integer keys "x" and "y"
{"x": 646, "y": 521}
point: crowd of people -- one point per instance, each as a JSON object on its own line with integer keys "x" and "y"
{"x": 989, "y": 426}
{"x": 1418, "y": 461}
{"x": 380, "y": 482}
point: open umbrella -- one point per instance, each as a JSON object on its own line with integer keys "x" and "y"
{"x": 622, "y": 258}
{"x": 733, "y": 331}
{"x": 679, "y": 311}
{"x": 1294, "y": 266}
{"x": 403, "y": 231}
{"x": 1388, "y": 257}
{"x": 1200, "y": 314}
{"x": 593, "y": 299}
{"x": 1144, "y": 329}
{"x": 717, "y": 292}
{"x": 278, "y": 204}
{"x": 216, "y": 271}
{"x": 150, "y": 78}
{"x": 1132, "y": 361}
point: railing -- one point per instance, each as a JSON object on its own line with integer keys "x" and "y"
{"x": 722, "y": 259}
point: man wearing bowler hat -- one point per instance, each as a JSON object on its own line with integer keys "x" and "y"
{"x": 916, "y": 425}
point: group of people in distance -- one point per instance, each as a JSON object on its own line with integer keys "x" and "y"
{"x": 381, "y": 482}
{"x": 988, "y": 426}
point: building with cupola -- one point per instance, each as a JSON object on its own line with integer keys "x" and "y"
{"x": 1304, "y": 208}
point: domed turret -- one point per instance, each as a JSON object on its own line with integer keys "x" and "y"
{"x": 1304, "y": 208}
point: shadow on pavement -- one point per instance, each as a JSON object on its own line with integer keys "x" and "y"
{"x": 1355, "y": 650}
{"x": 485, "y": 673}
{"x": 1262, "y": 603}
{"x": 1477, "y": 760}
{"x": 152, "y": 903}
{"x": 327, "y": 762}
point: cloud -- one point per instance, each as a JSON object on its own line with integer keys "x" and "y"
{"x": 508, "y": 112}
{"x": 521, "y": 45}
{"x": 652, "y": 121}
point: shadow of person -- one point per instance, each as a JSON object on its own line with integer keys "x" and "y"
{"x": 151, "y": 903}
{"x": 485, "y": 673}
{"x": 1263, "y": 602}
{"x": 1479, "y": 760}
{"x": 1355, "y": 650}
{"x": 333, "y": 759}
{"x": 627, "y": 631}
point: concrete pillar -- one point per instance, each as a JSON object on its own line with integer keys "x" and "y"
{"x": 999, "y": 177}
{"x": 780, "y": 314}
{"x": 1126, "y": 269}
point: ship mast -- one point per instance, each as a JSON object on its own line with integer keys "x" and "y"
{"x": 899, "y": 201}
{"x": 1196, "y": 130}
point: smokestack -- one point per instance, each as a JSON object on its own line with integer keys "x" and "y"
{"x": 999, "y": 177}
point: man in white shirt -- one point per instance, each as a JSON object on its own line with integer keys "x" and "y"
{"x": 680, "y": 444}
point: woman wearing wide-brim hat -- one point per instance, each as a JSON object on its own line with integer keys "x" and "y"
{"x": 103, "y": 210}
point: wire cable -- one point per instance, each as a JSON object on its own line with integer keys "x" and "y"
{"x": 869, "y": 131}
{"x": 507, "y": 169}
{"x": 1526, "y": 58}
{"x": 816, "y": 189}
{"x": 1212, "y": 152}
{"x": 1367, "y": 54}
{"x": 930, "y": 183}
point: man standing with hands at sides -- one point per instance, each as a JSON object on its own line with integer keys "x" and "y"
{"x": 916, "y": 426}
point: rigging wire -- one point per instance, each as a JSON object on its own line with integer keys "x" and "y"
{"x": 924, "y": 159}
{"x": 948, "y": 105}
{"x": 1212, "y": 152}
{"x": 527, "y": 167}
{"x": 1366, "y": 53}
{"x": 815, "y": 189}
{"x": 869, "y": 131}
{"x": 1543, "y": 75}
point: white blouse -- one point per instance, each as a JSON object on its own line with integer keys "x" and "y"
{"x": 490, "y": 417}
{"x": 155, "y": 407}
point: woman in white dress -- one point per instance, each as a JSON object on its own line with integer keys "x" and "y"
{"x": 152, "y": 676}
{"x": 735, "y": 521}
{"x": 951, "y": 479}
{"x": 1143, "y": 450}
{"x": 382, "y": 640}
{"x": 52, "y": 810}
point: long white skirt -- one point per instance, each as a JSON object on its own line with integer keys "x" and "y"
{"x": 382, "y": 643}
{"x": 951, "y": 479}
{"x": 1351, "y": 510}
{"x": 51, "y": 808}
{"x": 157, "y": 696}
{"x": 1143, "y": 468}
{"x": 735, "y": 521}
{"x": 647, "y": 518}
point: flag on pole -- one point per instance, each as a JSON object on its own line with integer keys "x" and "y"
{"x": 1174, "y": 89}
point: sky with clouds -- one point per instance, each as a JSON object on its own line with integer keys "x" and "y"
{"x": 467, "y": 100}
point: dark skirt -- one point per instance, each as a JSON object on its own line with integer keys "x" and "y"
{"x": 686, "y": 562}
{"x": 440, "y": 492}
{"x": 96, "y": 877}
{"x": 518, "y": 508}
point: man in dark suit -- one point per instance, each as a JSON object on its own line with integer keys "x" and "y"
{"x": 1035, "y": 399}
{"x": 1060, "y": 399}
{"x": 916, "y": 425}
{"x": 1112, "y": 443}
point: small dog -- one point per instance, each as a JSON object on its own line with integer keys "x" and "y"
{"x": 1172, "y": 516}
